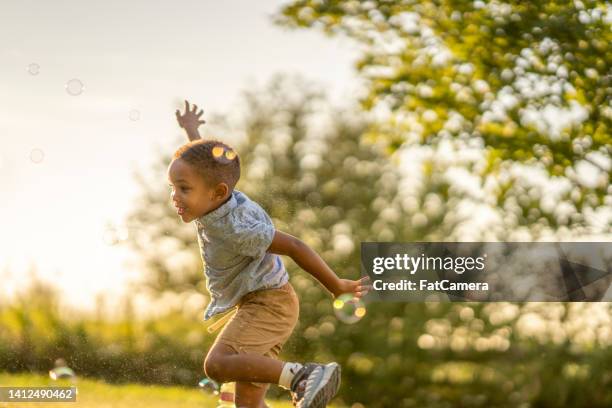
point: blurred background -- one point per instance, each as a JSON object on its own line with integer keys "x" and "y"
{"x": 355, "y": 121}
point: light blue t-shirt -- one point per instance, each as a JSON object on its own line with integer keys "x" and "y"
{"x": 233, "y": 242}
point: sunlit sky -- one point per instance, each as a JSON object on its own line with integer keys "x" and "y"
{"x": 66, "y": 161}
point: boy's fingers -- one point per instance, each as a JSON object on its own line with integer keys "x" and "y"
{"x": 200, "y": 113}
{"x": 201, "y": 122}
{"x": 195, "y": 108}
{"x": 364, "y": 288}
{"x": 186, "y": 106}
{"x": 362, "y": 293}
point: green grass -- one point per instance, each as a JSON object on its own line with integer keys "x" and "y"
{"x": 98, "y": 394}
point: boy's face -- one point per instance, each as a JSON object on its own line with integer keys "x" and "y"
{"x": 190, "y": 194}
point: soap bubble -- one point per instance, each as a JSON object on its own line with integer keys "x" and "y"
{"x": 33, "y": 68}
{"x": 349, "y": 309}
{"x": 75, "y": 87}
{"x": 37, "y": 155}
{"x": 134, "y": 115}
{"x": 61, "y": 371}
{"x": 208, "y": 385}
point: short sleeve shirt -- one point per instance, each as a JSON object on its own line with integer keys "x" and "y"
{"x": 233, "y": 241}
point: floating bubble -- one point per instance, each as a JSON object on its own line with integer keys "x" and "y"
{"x": 75, "y": 87}
{"x": 134, "y": 115}
{"x": 349, "y": 309}
{"x": 37, "y": 155}
{"x": 61, "y": 371}
{"x": 208, "y": 385}
{"x": 33, "y": 68}
{"x": 219, "y": 152}
{"x": 114, "y": 234}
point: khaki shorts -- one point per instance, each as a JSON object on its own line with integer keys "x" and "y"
{"x": 263, "y": 322}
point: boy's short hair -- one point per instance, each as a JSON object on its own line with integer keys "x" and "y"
{"x": 215, "y": 161}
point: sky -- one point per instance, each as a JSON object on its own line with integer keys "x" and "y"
{"x": 88, "y": 95}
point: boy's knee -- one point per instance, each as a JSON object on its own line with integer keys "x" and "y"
{"x": 213, "y": 368}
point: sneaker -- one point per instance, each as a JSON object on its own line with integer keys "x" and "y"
{"x": 315, "y": 385}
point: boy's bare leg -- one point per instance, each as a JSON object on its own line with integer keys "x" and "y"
{"x": 250, "y": 396}
{"x": 223, "y": 364}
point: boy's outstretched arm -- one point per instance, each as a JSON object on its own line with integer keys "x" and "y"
{"x": 311, "y": 262}
{"x": 190, "y": 120}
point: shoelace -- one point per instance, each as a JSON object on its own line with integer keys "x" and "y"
{"x": 299, "y": 392}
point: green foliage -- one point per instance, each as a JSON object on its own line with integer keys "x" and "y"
{"x": 320, "y": 179}
{"x": 507, "y": 73}
{"x": 429, "y": 354}
{"x": 35, "y": 332}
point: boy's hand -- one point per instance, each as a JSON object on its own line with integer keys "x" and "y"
{"x": 357, "y": 288}
{"x": 190, "y": 120}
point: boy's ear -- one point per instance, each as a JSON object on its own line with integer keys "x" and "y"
{"x": 221, "y": 190}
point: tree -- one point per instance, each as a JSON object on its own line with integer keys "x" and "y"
{"x": 309, "y": 166}
{"x": 529, "y": 81}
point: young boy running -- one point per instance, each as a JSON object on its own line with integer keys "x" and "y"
{"x": 240, "y": 249}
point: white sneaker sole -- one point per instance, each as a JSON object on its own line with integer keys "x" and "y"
{"x": 322, "y": 387}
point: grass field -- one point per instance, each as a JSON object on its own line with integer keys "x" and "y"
{"x": 98, "y": 394}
